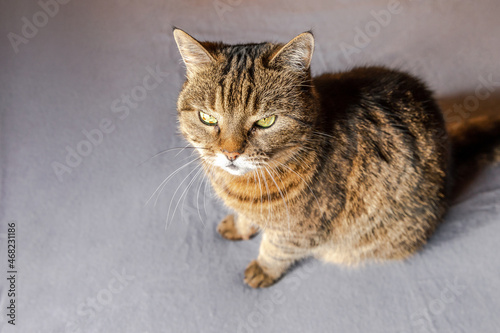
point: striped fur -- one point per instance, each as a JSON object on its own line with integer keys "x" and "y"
{"x": 355, "y": 167}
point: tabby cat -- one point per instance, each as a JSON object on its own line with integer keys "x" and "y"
{"x": 344, "y": 167}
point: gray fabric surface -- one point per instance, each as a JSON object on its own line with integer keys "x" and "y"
{"x": 93, "y": 257}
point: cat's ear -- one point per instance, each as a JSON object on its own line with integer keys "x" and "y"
{"x": 296, "y": 54}
{"x": 195, "y": 56}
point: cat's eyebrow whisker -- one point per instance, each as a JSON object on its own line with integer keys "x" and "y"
{"x": 164, "y": 182}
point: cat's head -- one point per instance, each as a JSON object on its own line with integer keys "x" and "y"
{"x": 244, "y": 106}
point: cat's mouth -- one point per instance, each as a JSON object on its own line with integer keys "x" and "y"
{"x": 235, "y": 169}
{"x": 238, "y": 167}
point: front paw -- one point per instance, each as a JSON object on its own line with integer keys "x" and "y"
{"x": 227, "y": 229}
{"x": 256, "y": 277}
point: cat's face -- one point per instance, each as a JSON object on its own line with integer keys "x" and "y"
{"x": 245, "y": 106}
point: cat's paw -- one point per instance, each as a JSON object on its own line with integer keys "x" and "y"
{"x": 227, "y": 229}
{"x": 256, "y": 277}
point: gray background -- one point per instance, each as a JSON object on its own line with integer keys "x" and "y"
{"x": 76, "y": 233}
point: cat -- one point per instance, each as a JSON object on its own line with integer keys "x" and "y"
{"x": 347, "y": 167}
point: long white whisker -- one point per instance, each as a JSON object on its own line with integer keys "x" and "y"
{"x": 181, "y": 150}
{"x": 175, "y": 192}
{"x": 202, "y": 179}
{"x": 205, "y": 191}
{"x": 185, "y": 193}
{"x": 205, "y": 198}
{"x": 167, "y": 151}
{"x": 164, "y": 182}
{"x": 161, "y": 190}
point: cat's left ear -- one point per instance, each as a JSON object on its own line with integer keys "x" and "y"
{"x": 296, "y": 54}
{"x": 195, "y": 56}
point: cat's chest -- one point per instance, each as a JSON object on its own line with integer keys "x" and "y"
{"x": 263, "y": 197}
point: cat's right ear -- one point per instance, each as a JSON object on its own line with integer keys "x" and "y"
{"x": 194, "y": 55}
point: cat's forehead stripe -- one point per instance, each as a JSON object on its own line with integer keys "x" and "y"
{"x": 238, "y": 76}
{"x": 246, "y": 96}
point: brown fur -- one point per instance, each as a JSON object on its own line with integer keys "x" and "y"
{"x": 355, "y": 167}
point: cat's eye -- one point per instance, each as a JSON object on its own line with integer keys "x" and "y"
{"x": 266, "y": 122}
{"x": 207, "y": 119}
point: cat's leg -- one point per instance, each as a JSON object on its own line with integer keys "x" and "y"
{"x": 239, "y": 228}
{"x": 276, "y": 255}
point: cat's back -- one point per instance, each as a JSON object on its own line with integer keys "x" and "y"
{"x": 382, "y": 103}
{"x": 364, "y": 85}
{"x": 387, "y": 156}
{"x": 383, "y": 115}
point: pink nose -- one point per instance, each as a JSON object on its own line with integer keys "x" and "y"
{"x": 231, "y": 155}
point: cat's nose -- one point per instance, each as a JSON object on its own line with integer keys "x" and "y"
{"x": 231, "y": 155}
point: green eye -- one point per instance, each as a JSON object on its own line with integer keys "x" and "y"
{"x": 207, "y": 119}
{"x": 266, "y": 122}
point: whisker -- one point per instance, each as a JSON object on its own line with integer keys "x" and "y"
{"x": 200, "y": 170}
{"x": 205, "y": 195}
{"x": 323, "y": 134}
{"x": 163, "y": 183}
{"x": 166, "y": 151}
{"x": 180, "y": 151}
{"x": 175, "y": 192}
{"x": 198, "y": 198}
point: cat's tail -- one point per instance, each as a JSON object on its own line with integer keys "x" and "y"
{"x": 474, "y": 145}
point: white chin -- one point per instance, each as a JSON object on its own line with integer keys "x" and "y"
{"x": 234, "y": 170}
